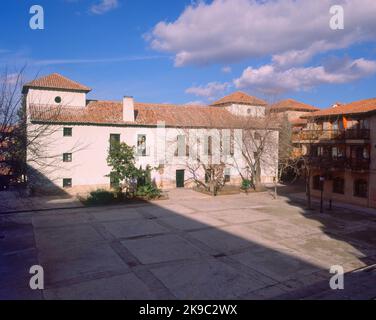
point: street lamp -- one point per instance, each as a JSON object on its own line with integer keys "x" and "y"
{"x": 322, "y": 180}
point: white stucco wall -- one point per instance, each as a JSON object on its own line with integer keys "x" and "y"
{"x": 89, "y": 147}
{"x": 47, "y": 97}
{"x": 242, "y": 110}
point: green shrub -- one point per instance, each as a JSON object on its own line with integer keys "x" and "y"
{"x": 246, "y": 184}
{"x": 148, "y": 191}
{"x": 100, "y": 197}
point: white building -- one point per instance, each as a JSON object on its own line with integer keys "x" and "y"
{"x": 71, "y": 136}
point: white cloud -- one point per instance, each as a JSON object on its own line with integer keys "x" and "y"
{"x": 230, "y": 30}
{"x": 104, "y": 6}
{"x": 195, "y": 103}
{"x": 209, "y": 91}
{"x": 270, "y": 79}
{"x": 226, "y": 69}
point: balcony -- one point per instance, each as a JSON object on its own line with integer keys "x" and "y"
{"x": 328, "y": 162}
{"x": 325, "y": 135}
{"x": 355, "y": 164}
{"x": 359, "y": 164}
{"x": 318, "y": 135}
{"x": 358, "y": 134}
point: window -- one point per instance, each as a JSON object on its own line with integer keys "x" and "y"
{"x": 361, "y": 188}
{"x": 182, "y": 148}
{"x": 337, "y": 125}
{"x": 227, "y": 174}
{"x": 67, "y": 183}
{"x": 338, "y": 153}
{"x": 141, "y": 145}
{"x": 339, "y": 185}
{"x": 67, "y": 132}
{"x": 365, "y": 153}
{"x": 249, "y": 111}
{"x": 228, "y": 145}
{"x": 58, "y": 99}
{"x": 320, "y": 151}
{"x": 208, "y": 146}
{"x": 364, "y": 124}
{"x": 114, "y": 139}
{"x": 67, "y": 157}
{"x": 360, "y": 152}
{"x": 316, "y": 183}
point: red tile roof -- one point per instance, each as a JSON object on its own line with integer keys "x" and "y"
{"x": 292, "y": 105}
{"x": 56, "y": 81}
{"x": 298, "y": 122}
{"x": 357, "y": 107}
{"x": 146, "y": 114}
{"x": 240, "y": 98}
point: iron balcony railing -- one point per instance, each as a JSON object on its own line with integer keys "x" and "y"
{"x": 326, "y": 162}
{"x": 358, "y": 133}
{"x": 319, "y": 135}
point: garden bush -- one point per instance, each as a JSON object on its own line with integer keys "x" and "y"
{"x": 100, "y": 197}
{"x": 148, "y": 191}
{"x": 246, "y": 185}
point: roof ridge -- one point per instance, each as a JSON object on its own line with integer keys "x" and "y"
{"x": 56, "y": 81}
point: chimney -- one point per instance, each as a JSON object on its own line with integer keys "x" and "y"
{"x": 128, "y": 109}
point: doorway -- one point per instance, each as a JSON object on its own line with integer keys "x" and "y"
{"x": 180, "y": 178}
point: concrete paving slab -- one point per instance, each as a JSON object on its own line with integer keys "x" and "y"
{"x": 161, "y": 249}
{"x": 134, "y": 228}
{"x": 79, "y": 261}
{"x": 59, "y": 220}
{"x": 24, "y": 293}
{"x": 239, "y": 216}
{"x": 116, "y": 214}
{"x": 222, "y": 240}
{"x": 16, "y": 237}
{"x": 197, "y": 221}
{"x": 325, "y": 250}
{"x": 278, "y": 265}
{"x": 205, "y": 279}
{"x": 277, "y": 230}
{"x": 51, "y": 238}
{"x": 14, "y": 269}
{"x": 123, "y": 287}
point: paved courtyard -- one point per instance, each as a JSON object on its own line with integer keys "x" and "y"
{"x": 189, "y": 247}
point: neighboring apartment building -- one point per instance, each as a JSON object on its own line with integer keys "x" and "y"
{"x": 342, "y": 150}
{"x": 293, "y": 111}
{"x": 74, "y": 135}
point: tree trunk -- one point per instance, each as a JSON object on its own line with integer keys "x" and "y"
{"x": 275, "y": 189}
{"x": 308, "y": 191}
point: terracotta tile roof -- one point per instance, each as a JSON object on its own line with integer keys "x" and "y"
{"x": 146, "y": 114}
{"x": 292, "y": 105}
{"x": 240, "y": 98}
{"x": 56, "y": 81}
{"x": 298, "y": 122}
{"x": 357, "y": 107}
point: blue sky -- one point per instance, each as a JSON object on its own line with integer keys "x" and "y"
{"x": 178, "y": 52}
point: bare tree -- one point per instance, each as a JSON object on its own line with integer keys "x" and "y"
{"x": 10, "y": 104}
{"x": 258, "y": 144}
{"x": 28, "y": 141}
{"x": 202, "y": 154}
